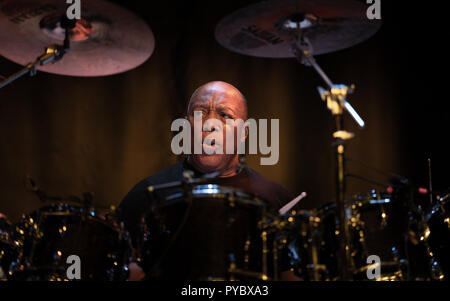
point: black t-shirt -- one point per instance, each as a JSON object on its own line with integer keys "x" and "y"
{"x": 206, "y": 235}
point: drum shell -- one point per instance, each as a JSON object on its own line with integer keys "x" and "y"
{"x": 222, "y": 237}
{"x": 51, "y": 234}
{"x": 9, "y": 251}
{"x": 439, "y": 236}
{"x": 374, "y": 228}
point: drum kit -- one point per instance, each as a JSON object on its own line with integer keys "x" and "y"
{"x": 201, "y": 230}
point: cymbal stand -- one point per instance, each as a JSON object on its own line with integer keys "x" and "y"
{"x": 335, "y": 97}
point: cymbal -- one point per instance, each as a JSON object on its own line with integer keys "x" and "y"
{"x": 267, "y": 29}
{"x": 106, "y": 40}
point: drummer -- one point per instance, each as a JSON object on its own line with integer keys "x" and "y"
{"x": 221, "y": 101}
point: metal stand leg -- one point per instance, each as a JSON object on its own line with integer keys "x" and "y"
{"x": 336, "y": 102}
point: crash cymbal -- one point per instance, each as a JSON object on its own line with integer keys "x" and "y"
{"x": 106, "y": 40}
{"x": 267, "y": 29}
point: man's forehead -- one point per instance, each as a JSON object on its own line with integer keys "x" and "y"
{"x": 219, "y": 95}
{"x": 216, "y": 95}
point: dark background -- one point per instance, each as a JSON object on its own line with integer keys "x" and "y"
{"x": 103, "y": 135}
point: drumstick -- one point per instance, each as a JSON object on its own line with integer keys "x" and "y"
{"x": 291, "y": 204}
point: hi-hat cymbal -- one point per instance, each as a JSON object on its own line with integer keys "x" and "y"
{"x": 106, "y": 40}
{"x": 267, "y": 29}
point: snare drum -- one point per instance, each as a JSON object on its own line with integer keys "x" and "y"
{"x": 51, "y": 234}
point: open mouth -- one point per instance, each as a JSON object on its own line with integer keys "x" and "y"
{"x": 211, "y": 142}
{"x": 211, "y": 145}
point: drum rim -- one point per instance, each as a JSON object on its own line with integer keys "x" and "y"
{"x": 216, "y": 191}
{"x": 68, "y": 209}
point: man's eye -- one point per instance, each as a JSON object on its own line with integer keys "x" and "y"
{"x": 199, "y": 113}
{"x": 225, "y": 115}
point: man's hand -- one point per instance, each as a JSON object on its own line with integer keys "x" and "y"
{"x": 136, "y": 272}
{"x": 289, "y": 276}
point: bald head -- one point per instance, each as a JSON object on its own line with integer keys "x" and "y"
{"x": 217, "y": 102}
{"x": 222, "y": 95}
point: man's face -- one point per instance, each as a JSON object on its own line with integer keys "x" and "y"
{"x": 222, "y": 102}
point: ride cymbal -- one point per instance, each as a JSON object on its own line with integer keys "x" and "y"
{"x": 267, "y": 29}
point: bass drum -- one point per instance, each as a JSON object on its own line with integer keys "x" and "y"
{"x": 51, "y": 234}
{"x": 209, "y": 232}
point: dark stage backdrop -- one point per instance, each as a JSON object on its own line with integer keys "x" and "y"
{"x": 103, "y": 135}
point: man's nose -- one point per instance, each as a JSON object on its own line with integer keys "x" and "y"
{"x": 209, "y": 128}
{"x": 211, "y": 123}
